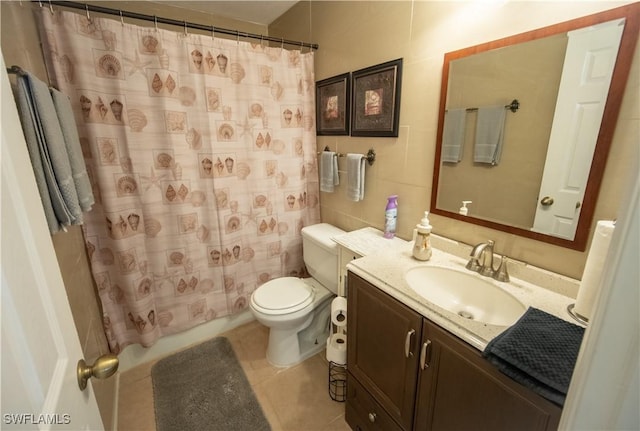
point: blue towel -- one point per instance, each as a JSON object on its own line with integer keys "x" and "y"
{"x": 489, "y": 134}
{"x": 453, "y": 135}
{"x": 48, "y": 152}
{"x": 328, "y": 171}
{"x": 539, "y": 351}
{"x": 74, "y": 150}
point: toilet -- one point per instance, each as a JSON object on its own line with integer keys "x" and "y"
{"x": 296, "y": 310}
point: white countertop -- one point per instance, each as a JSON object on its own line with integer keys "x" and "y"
{"x": 385, "y": 266}
{"x": 368, "y": 240}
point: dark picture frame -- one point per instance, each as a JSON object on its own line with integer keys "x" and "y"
{"x": 333, "y": 105}
{"x": 375, "y": 104}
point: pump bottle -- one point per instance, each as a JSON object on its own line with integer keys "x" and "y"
{"x": 422, "y": 244}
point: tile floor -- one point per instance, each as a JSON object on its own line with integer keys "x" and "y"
{"x": 293, "y": 399}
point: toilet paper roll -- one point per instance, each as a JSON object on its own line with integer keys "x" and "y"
{"x": 594, "y": 265}
{"x": 339, "y": 311}
{"x": 337, "y": 349}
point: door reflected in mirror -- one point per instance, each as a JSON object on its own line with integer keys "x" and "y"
{"x": 569, "y": 79}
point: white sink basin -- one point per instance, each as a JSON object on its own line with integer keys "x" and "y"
{"x": 465, "y": 294}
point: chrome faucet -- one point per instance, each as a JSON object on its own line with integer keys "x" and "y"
{"x": 482, "y": 262}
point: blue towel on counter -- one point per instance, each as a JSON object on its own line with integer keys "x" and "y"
{"x": 539, "y": 351}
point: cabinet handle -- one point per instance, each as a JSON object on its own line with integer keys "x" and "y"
{"x": 372, "y": 417}
{"x": 407, "y": 343}
{"x": 423, "y": 355}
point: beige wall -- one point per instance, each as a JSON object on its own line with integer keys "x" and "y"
{"x": 356, "y": 34}
{"x": 21, "y": 46}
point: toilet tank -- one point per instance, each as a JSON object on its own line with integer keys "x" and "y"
{"x": 321, "y": 253}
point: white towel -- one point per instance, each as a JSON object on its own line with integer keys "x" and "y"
{"x": 489, "y": 134}
{"x": 453, "y": 135}
{"x": 355, "y": 177}
{"x": 328, "y": 171}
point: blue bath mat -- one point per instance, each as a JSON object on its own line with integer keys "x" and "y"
{"x": 204, "y": 388}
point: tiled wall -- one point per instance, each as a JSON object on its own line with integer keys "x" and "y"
{"x": 357, "y": 34}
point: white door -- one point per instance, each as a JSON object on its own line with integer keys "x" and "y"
{"x": 40, "y": 346}
{"x": 586, "y": 75}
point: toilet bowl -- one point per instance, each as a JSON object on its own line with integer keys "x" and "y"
{"x": 296, "y": 310}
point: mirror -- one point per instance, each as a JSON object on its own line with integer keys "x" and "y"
{"x": 517, "y": 193}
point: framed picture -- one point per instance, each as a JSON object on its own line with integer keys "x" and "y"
{"x": 375, "y": 103}
{"x": 333, "y": 105}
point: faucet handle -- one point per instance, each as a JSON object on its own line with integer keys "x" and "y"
{"x": 501, "y": 274}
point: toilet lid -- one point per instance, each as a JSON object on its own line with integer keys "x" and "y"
{"x": 285, "y": 293}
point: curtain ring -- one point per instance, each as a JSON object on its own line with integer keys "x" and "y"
{"x": 237, "y": 36}
{"x": 155, "y": 22}
{"x": 121, "y": 18}
{"x": 185, "y": 28}
{"x": 213, "y": 32}
{"x": 301, "y": 46}
{"x": 261, "y": 40}
{"x": 86, "y": 8}
{"x": 282, "y": 43}
{"x": 50, "y": 7}
{"x": 40, "y": 3}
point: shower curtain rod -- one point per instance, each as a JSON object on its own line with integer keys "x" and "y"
{"x": 156, "y": 19}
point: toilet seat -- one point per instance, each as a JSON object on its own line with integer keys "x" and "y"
{"x": 282, "y": 296}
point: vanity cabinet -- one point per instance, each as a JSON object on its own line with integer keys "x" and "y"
{"x": 405, "y": 369}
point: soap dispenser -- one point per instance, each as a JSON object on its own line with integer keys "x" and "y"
{"x": 422, "y": 244}
{"x": 463, "y": 209}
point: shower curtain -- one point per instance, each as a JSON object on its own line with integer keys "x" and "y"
{"x": 202, "y": 156}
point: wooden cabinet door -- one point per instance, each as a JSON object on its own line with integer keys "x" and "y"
{"x": 382, "y": 355}
{"x": 460, "y": 390}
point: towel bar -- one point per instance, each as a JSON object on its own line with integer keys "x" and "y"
{"x": 370, "y": 157}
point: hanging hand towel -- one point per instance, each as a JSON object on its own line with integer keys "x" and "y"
{"x": 38, "y": 112}
{"x": 355, "y": 177}
{"x": 328, "y": 171}
{"x": 453, "y": 135}
{"x": 28, "y": 126}
{"x": 74, "y": 151}
{"x": 489, "y": 134}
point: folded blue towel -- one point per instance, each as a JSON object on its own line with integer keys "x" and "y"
{"x": 74, "y": 150}
{"x": 48, "y": 151}
{"x": 538, "y": 351}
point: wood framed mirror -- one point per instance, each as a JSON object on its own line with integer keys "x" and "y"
{"x": 535, "y": 68}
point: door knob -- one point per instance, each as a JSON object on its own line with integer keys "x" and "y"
{"x": 546, "y": 201}
{"x": 105, "y": 366}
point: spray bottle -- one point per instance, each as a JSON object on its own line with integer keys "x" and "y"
{"x": 391, "y": 216}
